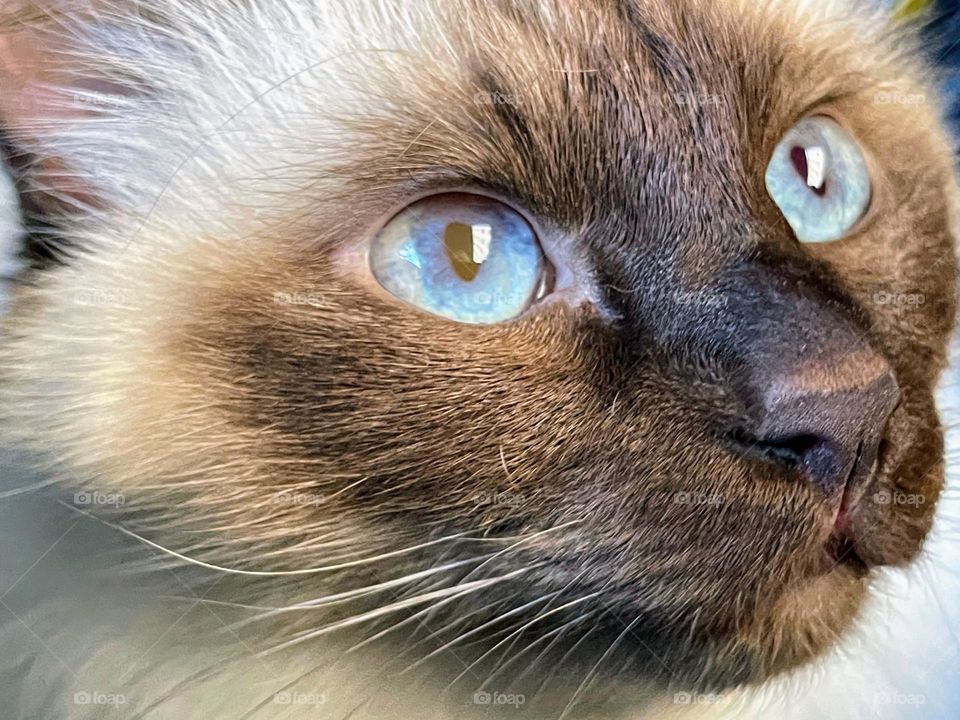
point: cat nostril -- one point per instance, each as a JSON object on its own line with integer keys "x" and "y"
{"x": 819, "y": 459}
{"x": 828, "y": 430}
{"x": 791, "y": 450}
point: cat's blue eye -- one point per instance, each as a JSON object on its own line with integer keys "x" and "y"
{"x": 465, "y": 257}
{"x": 819, "y": 180}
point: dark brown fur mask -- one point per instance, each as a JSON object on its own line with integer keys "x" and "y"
{"x": 617, "y": 465}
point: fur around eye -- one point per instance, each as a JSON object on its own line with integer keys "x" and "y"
{"x": 818, "y": 178}
{"x": 464, "y": 257}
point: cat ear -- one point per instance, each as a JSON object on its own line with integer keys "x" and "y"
{"x": 48, "y": 84}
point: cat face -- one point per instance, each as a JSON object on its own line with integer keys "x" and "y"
{"x": 698, "y": 432}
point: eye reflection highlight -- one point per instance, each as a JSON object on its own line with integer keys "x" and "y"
{"x": 467, "y": 246}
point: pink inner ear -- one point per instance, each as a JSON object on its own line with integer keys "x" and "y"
{"x": 32, "y": 67}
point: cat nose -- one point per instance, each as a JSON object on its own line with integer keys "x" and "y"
{"x": 826, "y": 416}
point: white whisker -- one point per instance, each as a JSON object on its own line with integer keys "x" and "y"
{"x": 526, "y": 539}
{"x": 559, "y": 632}
{"x": 456, "y": 591}
{"x": 593, "y": 671}
{"x": 329, "y": 600}
{"x": 538, "y": 618}
{"x": 266, "y": 573}
{"x": 477, "y": 629}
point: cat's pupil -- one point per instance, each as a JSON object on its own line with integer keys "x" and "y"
{"x": 815, "y": 181}
{"x": 466, "y": 247}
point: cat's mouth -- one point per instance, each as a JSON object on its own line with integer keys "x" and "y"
{"x": 841, "y": 551}
{"x": 885, "y": 510}
{"x": 840, "y": 547}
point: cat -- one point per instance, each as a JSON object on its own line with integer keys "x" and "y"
{"x": 641, "y": 430}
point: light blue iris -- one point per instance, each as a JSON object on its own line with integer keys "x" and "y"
{"x": 414, "y": 258}
{"x": 818, "y": 178}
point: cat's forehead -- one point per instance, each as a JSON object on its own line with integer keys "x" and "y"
{"x": 559, "y": 104}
